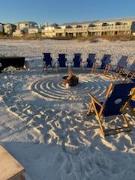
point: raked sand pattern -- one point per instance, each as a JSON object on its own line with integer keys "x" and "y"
{"x": 46, "y": 127}
{"x": 56, "y": 114}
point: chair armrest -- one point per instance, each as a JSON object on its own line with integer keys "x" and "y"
{"x": 95, "y": 100}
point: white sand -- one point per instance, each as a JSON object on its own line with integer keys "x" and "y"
{"x": 46, "y": 128}
{"x": 36, "y": 48}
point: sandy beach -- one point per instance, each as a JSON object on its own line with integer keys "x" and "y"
{"x": 36, "y": 48}
{"x": 45, "y": 126}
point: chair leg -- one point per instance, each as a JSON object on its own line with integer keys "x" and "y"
{"x": 93, "y": 69}
{"x": 100, "y": 120}
{"x": 106, "y": 71}
{"x": 102, "y": 130}
{"x": 125, "y": 120}
{"x": 90, "y": 109}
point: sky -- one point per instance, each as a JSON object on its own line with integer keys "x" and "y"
{"x": 63, "y": 11}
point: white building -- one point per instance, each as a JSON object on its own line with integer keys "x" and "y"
{"x": 33, "y": 31}
{"x": 26, "y": 25}
{"x": 92, "y": 28}
{"x": 9, "y": 28}
{"x": 50, "y": 30}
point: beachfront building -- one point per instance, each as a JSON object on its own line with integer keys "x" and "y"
{"x": 26, "y": 27}
{"x": 52, "y": 31}
{"x": 56, "y": 30}
{"x": 9, "y": 28}
{"x": 33, "y": 31}
{"x": 112, "y": 27}
{"x": 91, "y": 28}
{"x": 76, "y": 29}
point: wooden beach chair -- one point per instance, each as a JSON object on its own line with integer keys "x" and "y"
{"x": 106, "y": 63}
{"x": 130, "y": 72}
{"x": 47, "y": 59}
{"x": 91, "y": 62}
{"x": 62, "y": 61}
{"x": 115, "y": 104}
{"x": 122, "y": 65}
{"x": 77, "y": 60}
{"x": 10, "y": 168}
{"x": 132, "y": 102}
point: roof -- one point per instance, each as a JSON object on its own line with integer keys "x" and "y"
{"x": 24, "y": 22}
{"x": 9, "y": 24}
{"x": 98, "y": 21}
{"x": 77, "y": 23}
{"x": 54, "y": 25}
{"x": 118, "y": 19}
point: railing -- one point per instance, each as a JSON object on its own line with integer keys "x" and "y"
{"x": 76, "y": 30}
{"x": 112, "y": 28}
{"x": 60, "y": 30}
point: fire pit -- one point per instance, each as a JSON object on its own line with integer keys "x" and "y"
{"x": 71, "y": 79}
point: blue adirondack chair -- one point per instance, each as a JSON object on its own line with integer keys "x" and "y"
{"x": 77, "y": 60}
{"x": 91, "y": 60}
{"x": 122, "y": 65}
{"x": 47, "y": 59}
{"x": 130, "y": 72}
{"x": 106, "y": 60}
{"x": 114, "y": 105}
{"x": 62, "y": 60}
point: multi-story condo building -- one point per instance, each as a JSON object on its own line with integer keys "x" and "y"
{"x": 92, "y": 28}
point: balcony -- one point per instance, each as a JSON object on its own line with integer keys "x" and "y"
{"x": 110, "y": 28}
{"x": 122, "y": 27}
{"x": 60, "y": 30}
{"x": 76, "y": 30}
